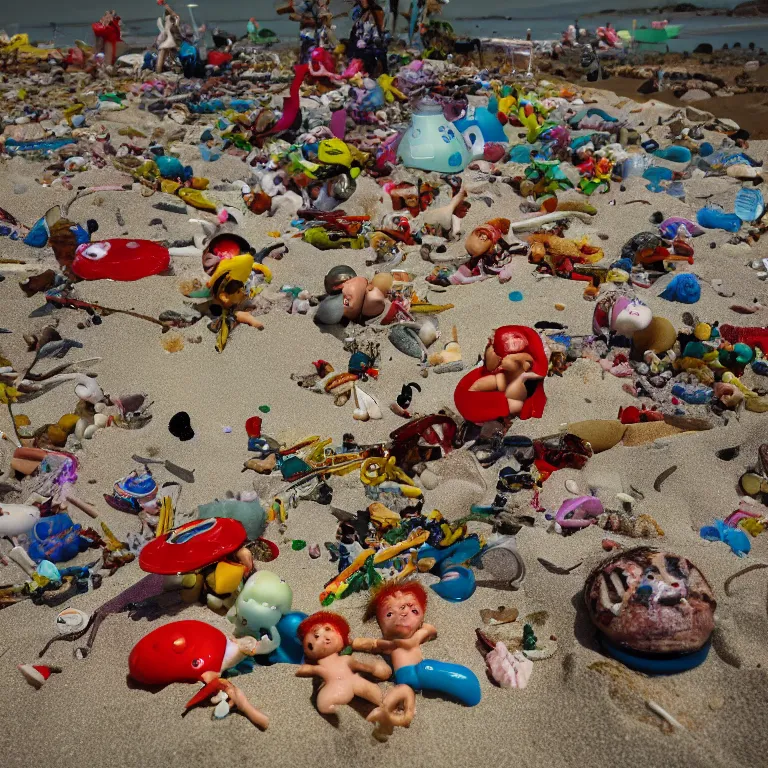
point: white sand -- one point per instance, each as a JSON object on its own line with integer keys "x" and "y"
{"x": 569, "y": 715}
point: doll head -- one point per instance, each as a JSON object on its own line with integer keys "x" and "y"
{"x": 322, "y": 634}
{"x": 362, "y": 299}
{"x": 399, "y": 608}
{"x": 484, "y": 237}
{"x": 505, "y": 341}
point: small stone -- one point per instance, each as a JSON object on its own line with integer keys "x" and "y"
{"x": 572, "y": 487}
{"x": 716, "y": 703}
{"x": 559, "y": 307}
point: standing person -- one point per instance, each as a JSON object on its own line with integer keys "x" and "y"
{"x": 107, "y": 32}
{"x": 368, "y": 37}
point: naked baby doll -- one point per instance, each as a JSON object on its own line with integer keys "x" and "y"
{"x": 399, "y": 609}
{"x": 510, "y": 365}
{"x": 324, "y": 636}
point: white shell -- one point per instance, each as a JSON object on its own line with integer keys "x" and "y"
{"x": 572, "y": 487}
{"x": 100, "y": 420}
{"x": 80, "y": 428}
{"x": 90, "y": 431}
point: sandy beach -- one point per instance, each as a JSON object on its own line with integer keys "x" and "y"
{"x": 580, "y": 708}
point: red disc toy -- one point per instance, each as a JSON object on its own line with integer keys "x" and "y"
{"x": 192, "y": 546}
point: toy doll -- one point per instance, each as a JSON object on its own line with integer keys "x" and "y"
{"x": 399, "y": 608}
{"x": 488, "y": 255}
{"x": 324, "y": 636}
{"x": 191, "y": 651}
{"x": 510, "y": 382}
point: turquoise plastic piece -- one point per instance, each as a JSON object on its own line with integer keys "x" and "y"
{"x": 674, "y": 154}
{"x": 655, "y": 174}
{"x": 661, "y": 664}
{"x": 456, "y": 585}
{"x": 483, "y": 121}
{"x": 715, "y": 218}
{"x": 521, "y": 153}
{"x": 431, "y": 143}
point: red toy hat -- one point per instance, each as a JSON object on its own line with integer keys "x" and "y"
{"x": 36, "y": 674}
{"x": 479, "y": 407}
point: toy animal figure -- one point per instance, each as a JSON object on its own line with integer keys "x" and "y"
{"x": 510, "y": 381}
{"x": 399, "y": 608}
{"x": 324, "y": 636}
{"x": 191, "y": 651}
{"x": 264, "y": 599}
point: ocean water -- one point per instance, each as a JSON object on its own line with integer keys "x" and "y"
{"x": 66, "y": 22}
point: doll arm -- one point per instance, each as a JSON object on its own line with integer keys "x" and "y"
{"x": 371, "y": 645}
{"x": 239, "y": 699}
{"x": 379, "y": 669}
{"x": 487, "y": 383}
{"x": 309, "y": 670}
{"x": 426, "y": 633}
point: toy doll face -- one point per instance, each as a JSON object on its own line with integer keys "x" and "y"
{"x": 478, "y": 242}
{"x": 322, "y": 641}
{"x": 399, "y": 616}
{"x": 633, "y": 318}
{"x": 361, "y": 298}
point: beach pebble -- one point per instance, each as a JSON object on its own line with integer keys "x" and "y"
{"x": 429, "y": 480}
{"x": 659, "y": 337}
{"x": 601, "y": 434}
{"x": 572, "y": 487}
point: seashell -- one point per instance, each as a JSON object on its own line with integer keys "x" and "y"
{"x": 80, "y": 428}
{"x": 406, "y": 340}
{"x": 90, "y": 431}
{"x": 572, "y": 487}
{"x": 100, "y": 420}
{"x": 625, "y": 498}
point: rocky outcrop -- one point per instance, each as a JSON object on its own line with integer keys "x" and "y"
{"x": 752, "y": 8}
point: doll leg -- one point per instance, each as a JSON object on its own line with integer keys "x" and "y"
{"x": 367, "y": 690}
{"x": 453, "y": 680}
{"x": 400, "y": 705}
{"x": 328, "y": 700}
{"x": 160, "y": 61}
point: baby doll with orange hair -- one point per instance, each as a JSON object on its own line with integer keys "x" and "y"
{"x": 324, "y": 635}
{"x": 399, "y": 608}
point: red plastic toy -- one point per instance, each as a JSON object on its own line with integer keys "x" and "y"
{"x": 514, "y": 358}
{"x": 190, "y": 652}
{"x": 180, "y": 652}
{"x": 752, "y": 337}
{"x": 122, "y": 260}
{"x": 193, "y": 546}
